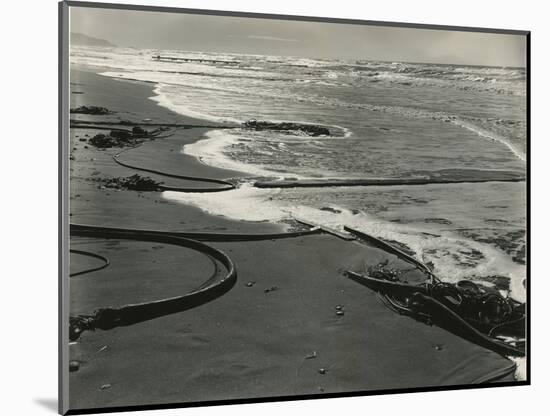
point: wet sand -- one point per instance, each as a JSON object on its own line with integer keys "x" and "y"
{"x": 276, "y": 333}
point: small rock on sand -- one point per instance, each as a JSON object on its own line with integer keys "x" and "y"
{"x": 74, "y": 366}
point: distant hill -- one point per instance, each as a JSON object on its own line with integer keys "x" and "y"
{"x": 85, "y": 40}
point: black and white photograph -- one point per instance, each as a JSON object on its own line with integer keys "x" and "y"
{"x": 261, "y": 208}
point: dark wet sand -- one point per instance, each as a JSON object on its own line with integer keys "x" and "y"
{"x": 249, "y": 343}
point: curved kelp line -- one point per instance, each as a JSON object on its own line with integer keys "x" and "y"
{"x": 323, "y": 183}
{"x": 227, "y": 186}
{"x": 105, "y": 260}
{"x": 112, "y": 317}
{"x": 219, "y": 237}
{"x": 93, "y": 124}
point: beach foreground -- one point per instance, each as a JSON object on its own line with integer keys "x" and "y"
{"x": 292, "y": 325}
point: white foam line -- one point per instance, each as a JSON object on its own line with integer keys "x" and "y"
{"x": 210, "y": 151}
{"x": 347, "y": 132}
{"x": 165, "y": 102}
{"x": 489, "y": 135}
{"x": 521, "y": 367}
{"x": 413, "y": 113}
{"x": 244, "y": 203}
{"x": 252, "y": 204}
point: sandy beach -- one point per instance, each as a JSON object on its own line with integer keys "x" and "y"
{"x": 276, "y": 333}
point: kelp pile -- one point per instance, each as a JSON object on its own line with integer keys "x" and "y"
{"x": 288, "y": 127}
{"x": 92, "y": 110}
{"x": 483, "y": 307}
{"x": 473, "y": 311}
{"x": 123, "y": 138}
{"x": 132, "y": 183}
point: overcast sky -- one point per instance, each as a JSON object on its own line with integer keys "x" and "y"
{"x": 156, "y": 30}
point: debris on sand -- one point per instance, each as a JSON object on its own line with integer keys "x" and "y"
{"x": 103, "y": 141}
{"x": 139, "y": 132}
{"x": 308, "y": 129}
{"x": 330, "y": 209}
{"x": 122, "y": 138}
{"x": 74, "y": 366}
{"x": 91, "y": 109}
{"x": 132, "y": 183}
{"x": 123, "y": 135}
{"x": 381, "y": 271}
{"x": 116, "y": 138}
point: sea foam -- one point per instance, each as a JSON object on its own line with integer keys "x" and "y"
{"x": 248, "y": 203}
{"x": 210, "y": 150}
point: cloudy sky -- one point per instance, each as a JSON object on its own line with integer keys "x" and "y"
{"x": 144, "y": 29}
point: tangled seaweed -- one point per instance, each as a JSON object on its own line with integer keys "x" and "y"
{"x": 92, "y": 110}
{"x": 123, "y": 138}
{"x": 309, "y": 129}
{"x": 117, "y": 138}
{"x": 481, "y": 306}
{"x": 132, "y": 183}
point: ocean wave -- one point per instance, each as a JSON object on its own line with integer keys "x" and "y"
{"x": 212, "y": 81}
{"x": 211, "y": 150}
{"x": 215, "y": 147}
{"x": 162, "y": 97}
{"x": 310, "y": 90}
{"x": 486, "y": 134}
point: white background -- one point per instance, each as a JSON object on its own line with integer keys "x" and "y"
{"x": 28, "y": 152}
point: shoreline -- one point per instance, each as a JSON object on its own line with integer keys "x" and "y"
{"x": 198, "y": 354}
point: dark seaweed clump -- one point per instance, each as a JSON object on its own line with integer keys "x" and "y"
{"x": 91, "y": 109}
{"x": 309, "y": 129}
{"x": 116, "y": 138}
{"x": 132, "y": 183}
{"x": 122, "y": 138}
